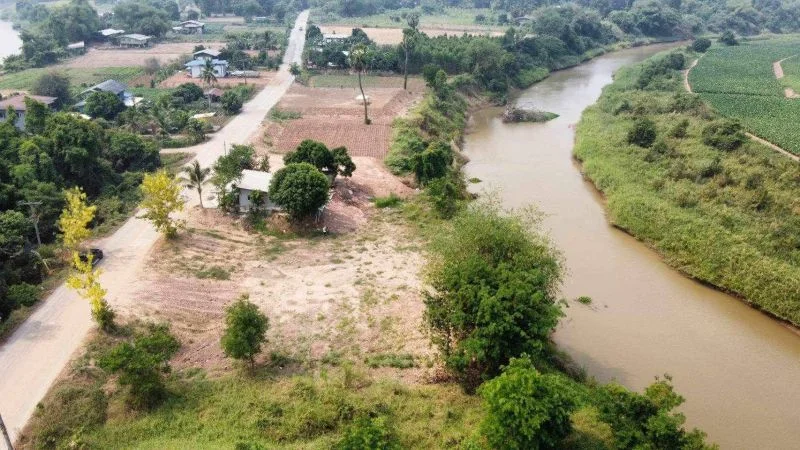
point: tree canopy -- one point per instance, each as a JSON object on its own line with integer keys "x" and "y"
{"x": 300, "y": 188}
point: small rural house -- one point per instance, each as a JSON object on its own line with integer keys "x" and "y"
{"x": 331, "y": 38}
{"x": 214, "y": 94}
{"x": 18, "y": 103}
{"x": 134, "y": 40}
{"x": 190, "y": 27}
{"x": 195, "y": 67}
{"x": 113, "y": 86}
{"x": 110, "y": 34}
{"x": 253, "y": 180}
{"x": 76, "y": 48}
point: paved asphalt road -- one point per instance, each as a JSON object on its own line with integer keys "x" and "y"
{"x": 38, "y": 351}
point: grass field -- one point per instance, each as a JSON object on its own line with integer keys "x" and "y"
{"x": 740, "y": 83}
{"x": 80, "y": 78}
{"x": 728, "y": 218}
{"x": 415, "y": 83}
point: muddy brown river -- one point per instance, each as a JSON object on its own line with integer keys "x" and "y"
{"x": 738, "y": 369}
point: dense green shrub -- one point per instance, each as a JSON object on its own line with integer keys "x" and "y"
{"x": 299, "y": 188}
{"x": 369, "y": 433}
{"x": 23, "y": 294}
{"x": 728, "y": 38}
{"x": 724, "y": 135}
{"x": 642, "y": 133}
{"x": 231, "y": 102}
{"x": 103, "y": 104}
{"x": 141, "y": 363}
{"x": 433, "y": 163}
{"x": 330, "y": 162}
{"x": 526, "y": 410}
{"x": 700, "y": 45}
{"x": 245, "y": 330}
{"x": 493, "y": 293}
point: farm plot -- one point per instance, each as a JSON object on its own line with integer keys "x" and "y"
{"x": 116, "y": 57}
{"x": 740, "y": 83}
{"x": 335, "y": 117}
{"x": 393, "y": 36}
{"x": 79, "y": 77}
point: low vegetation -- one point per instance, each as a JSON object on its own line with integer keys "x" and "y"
{"x": 718, "y": 207}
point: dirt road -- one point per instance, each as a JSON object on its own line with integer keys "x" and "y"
{"x": 36, "y": 353}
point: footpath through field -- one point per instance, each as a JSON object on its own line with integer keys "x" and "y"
{"x": 37, "y": 352}
{"x": 762, "y": 141}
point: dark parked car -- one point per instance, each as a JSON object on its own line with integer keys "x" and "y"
{"x": 96, "y": 253}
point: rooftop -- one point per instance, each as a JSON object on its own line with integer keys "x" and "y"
{"x": 198, "y": 62}
{"x": 18, "y": 101}
{"x": 207, "y": 51}
{"x": 110, "y": 32}
{"x": 137, "y": 37}
{"x": 254, "y": 180}
{"x": 334, "y": 36}
{"x": 113, "y": 86}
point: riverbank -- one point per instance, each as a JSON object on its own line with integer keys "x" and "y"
{"x": 645, "y": 318}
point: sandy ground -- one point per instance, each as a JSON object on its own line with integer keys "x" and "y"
{"x": 263, "y": 79}
{"x": 777, "y": 68}
{"x": 393, "y": 36}
{"x": 352, "y": 292}
{"x": 335, "y": 117}
{"x": 36, "y": 353}
{"x": 119, "y": 57}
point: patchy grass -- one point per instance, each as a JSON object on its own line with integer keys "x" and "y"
{"x": 80, "y": 79}
{"x": 214, "y": 272}
{"x": 369, "y": 81}
{"x": 174, "y": 162}
{"x": 404, "y": 361}
{"x": 391, "y": 201}
{"x": 585, "y": 300}
{"x": 279, "y": 115}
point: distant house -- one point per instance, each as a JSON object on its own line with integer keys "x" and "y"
{"x": 190, "y": 27}
{"x": 109, "y": 33}
{"x": 76, "y": 48}
{"x": 113, "y": 86}
{"x": 17, "y": 102}
{"x": 331, "y": 38}
{"x": 134, "y": 40}
{"x": 253, "y": 180}
{"x": 196, "y": 67}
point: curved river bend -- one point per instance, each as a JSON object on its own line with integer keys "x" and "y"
{"x": 738, "y": 369}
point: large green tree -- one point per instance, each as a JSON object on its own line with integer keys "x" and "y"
{"x": 300, "y": 188}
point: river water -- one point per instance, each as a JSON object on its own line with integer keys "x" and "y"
{"x": 738, "y": 369}
{"x": 9, "y": 40}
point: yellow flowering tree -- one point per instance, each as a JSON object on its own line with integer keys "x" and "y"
{"x": 84, "y": 278}
{"x": 162, "y": 197}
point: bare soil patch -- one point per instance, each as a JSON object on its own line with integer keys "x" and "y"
{"x": 97, "y": 57}
{"x": 393, "y": 36}
{"x": 334, "y": 116}
{"x": 330, "y": 296}
{"x": 179, "y": 78}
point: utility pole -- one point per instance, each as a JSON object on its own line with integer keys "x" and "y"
{"x": 5, "y": 434}
{"x": 34, "y": 218}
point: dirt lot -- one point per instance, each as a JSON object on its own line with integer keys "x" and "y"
{"x": 121, "y": 57}
{"x": 335, "y": 117}
{"x": 181, "y": 77}
{"x": 337, "y": 295}
{"x": 393, "y": 36}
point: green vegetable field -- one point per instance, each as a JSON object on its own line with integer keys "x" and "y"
{"x": 791, "y": 73}
{"x": 740, "y": 83}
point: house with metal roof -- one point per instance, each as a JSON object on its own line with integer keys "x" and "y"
{"x": 253, "y": 181}
{"x": 196, "y": 67}
{"x": 206, "y": 53}
{"x": 190, "y": 27}
{"x": 17, "y": 103}
{"x": 134, "y": 40}
{"x": 115, "y": 87}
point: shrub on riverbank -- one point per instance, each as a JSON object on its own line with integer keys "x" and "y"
{"x": 724, "y": 216}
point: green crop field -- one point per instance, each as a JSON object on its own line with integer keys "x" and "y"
{"x": 392, "y": 19}
{"x": 740, "y": 83}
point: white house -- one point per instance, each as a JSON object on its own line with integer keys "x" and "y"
{"x": 17, "y": 102}
{"x": 196, "y": 67}
{"x": 330, "y": 38}
{"x": 253, "y": 180}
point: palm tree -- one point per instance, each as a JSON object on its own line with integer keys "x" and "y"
{"x": 195, "y": 178}
{"x": 359, "y": 61}
{"x": 208, "y": 76}
{"x": 409, "y": 38}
